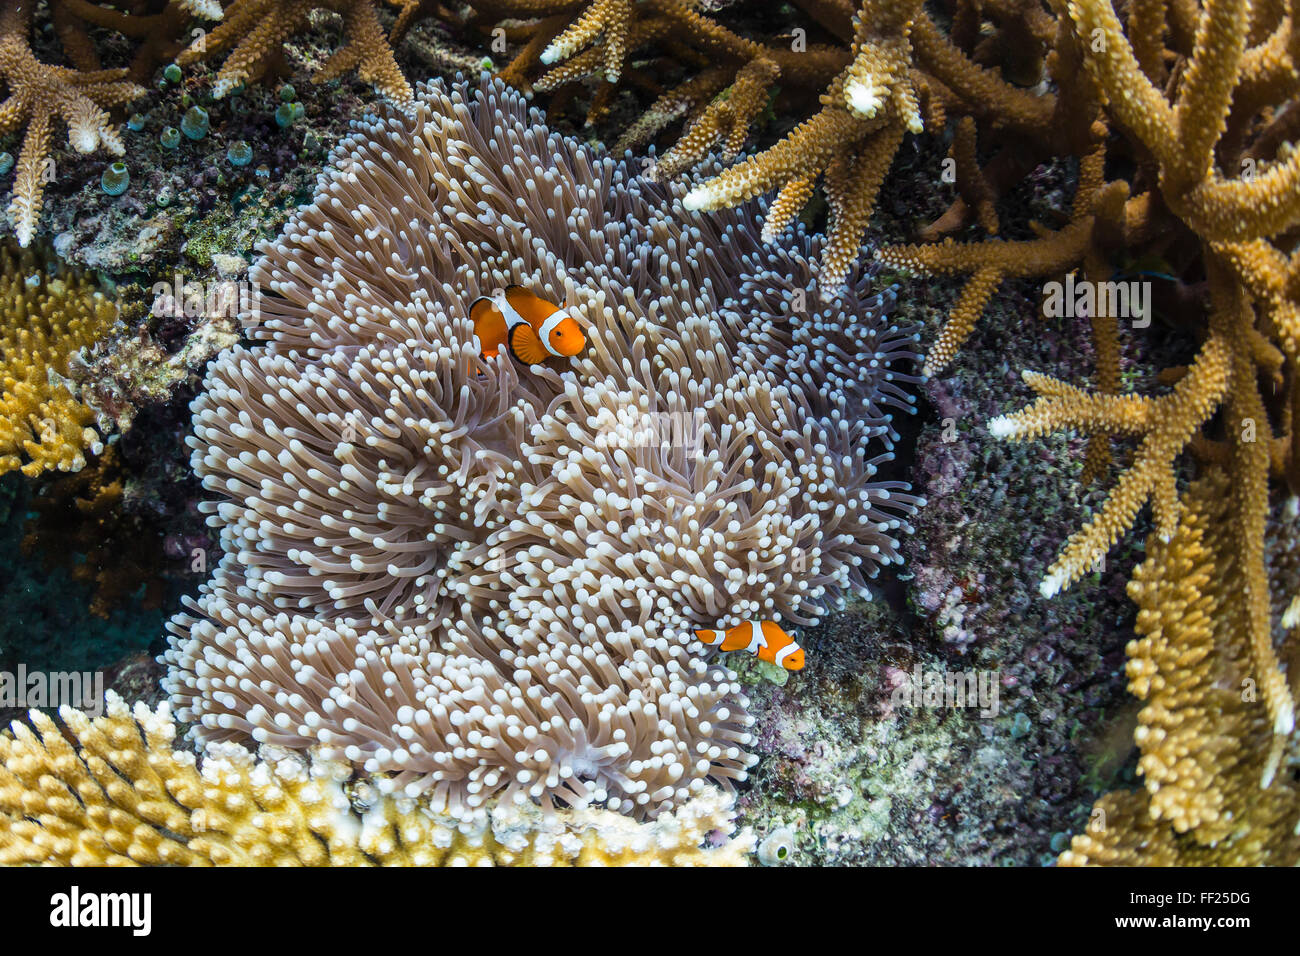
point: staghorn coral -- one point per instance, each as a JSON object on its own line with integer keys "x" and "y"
{"x": 1222, "y": 202}
{"x": 1215, "y": 794}
{"x": 38, "y": 93}
{"x": 157, "y": 26}
{"x": 47, "y": 316}
{"x": 852, "y": 141}
{"x": 520, "y": 554}
{"x": 112, "y": 791}
{"x": 252, "y": 32}
{"x": 895, "y": 72}
{"x": 1165, "y": 426}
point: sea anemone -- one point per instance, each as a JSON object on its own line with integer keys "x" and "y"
{"x": 479, "y": 578}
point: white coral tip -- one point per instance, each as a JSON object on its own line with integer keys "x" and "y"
{"x": 698, "y": 198}
{"x": 863, "y": 98}
{"x": 1004, "y": 426}
{"x": 1284, "y": 723}
{"x": 1052, "y": 584}
{"x": 83, "y": 138}
{"x": 204, "y": 9}
{"x": 1291, "y": 616}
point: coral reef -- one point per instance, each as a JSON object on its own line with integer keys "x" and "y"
{"x": 47, "y": 313}
{"x": 1101, "y": 145}
{"x": 1217, "y": 197}
{"x": 1220, "y": 201}
{"x": 862, "y": 780}
{"x": 1110, "y": 217}
{"x": 521, "y": 554}
{"x": 111, "y": 791}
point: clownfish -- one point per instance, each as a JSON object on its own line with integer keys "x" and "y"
{"x": 532, "y": 328}
{"x": 764, "y": 638}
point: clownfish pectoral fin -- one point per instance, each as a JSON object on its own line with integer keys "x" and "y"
{"x": 489, "y": 325}
{"x": 526, "y": 346}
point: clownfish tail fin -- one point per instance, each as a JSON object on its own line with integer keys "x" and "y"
{"x": 710, "y": 637}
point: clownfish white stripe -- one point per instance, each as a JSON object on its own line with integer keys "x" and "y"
{"x": 508, "y": 312}
{"x": 556, "y": 317}
{"x": 756, "y": 641}
{"x": 785, "y": 652}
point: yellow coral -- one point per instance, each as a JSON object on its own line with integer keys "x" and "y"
{"x": 608, "y": 19}
{"x": 852, "y": 141}
{"x": 111, "y": 790}
{"x": 1166, "y": 426}
{"x": 44, "y": 319}
{"x": 1214, "y": 795}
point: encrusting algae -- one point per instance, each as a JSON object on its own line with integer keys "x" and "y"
{"x": 45, "y": 317}
{"x": 111, "y": 791}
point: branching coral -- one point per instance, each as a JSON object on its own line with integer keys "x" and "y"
{"x": 1228, "y": 210}
{"x": 157, "y": 27}
{"x": 894, "y": 70}
{"x": 1218, "y": 194}
{"x": 253, "y": 32}
{"x": 45, "y": 317}
{"x": 1215, "y": 793}
{"x": 852, "y": 141}
{"x": 483, "y": 578}
{"x": 37, "y": 95}
{"x": 1165, "y": 426}
{"x": 111, "y": 790}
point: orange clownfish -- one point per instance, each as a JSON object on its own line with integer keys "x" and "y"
{"x": 532, "y": 328}
{"x": 764, "y": 638}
